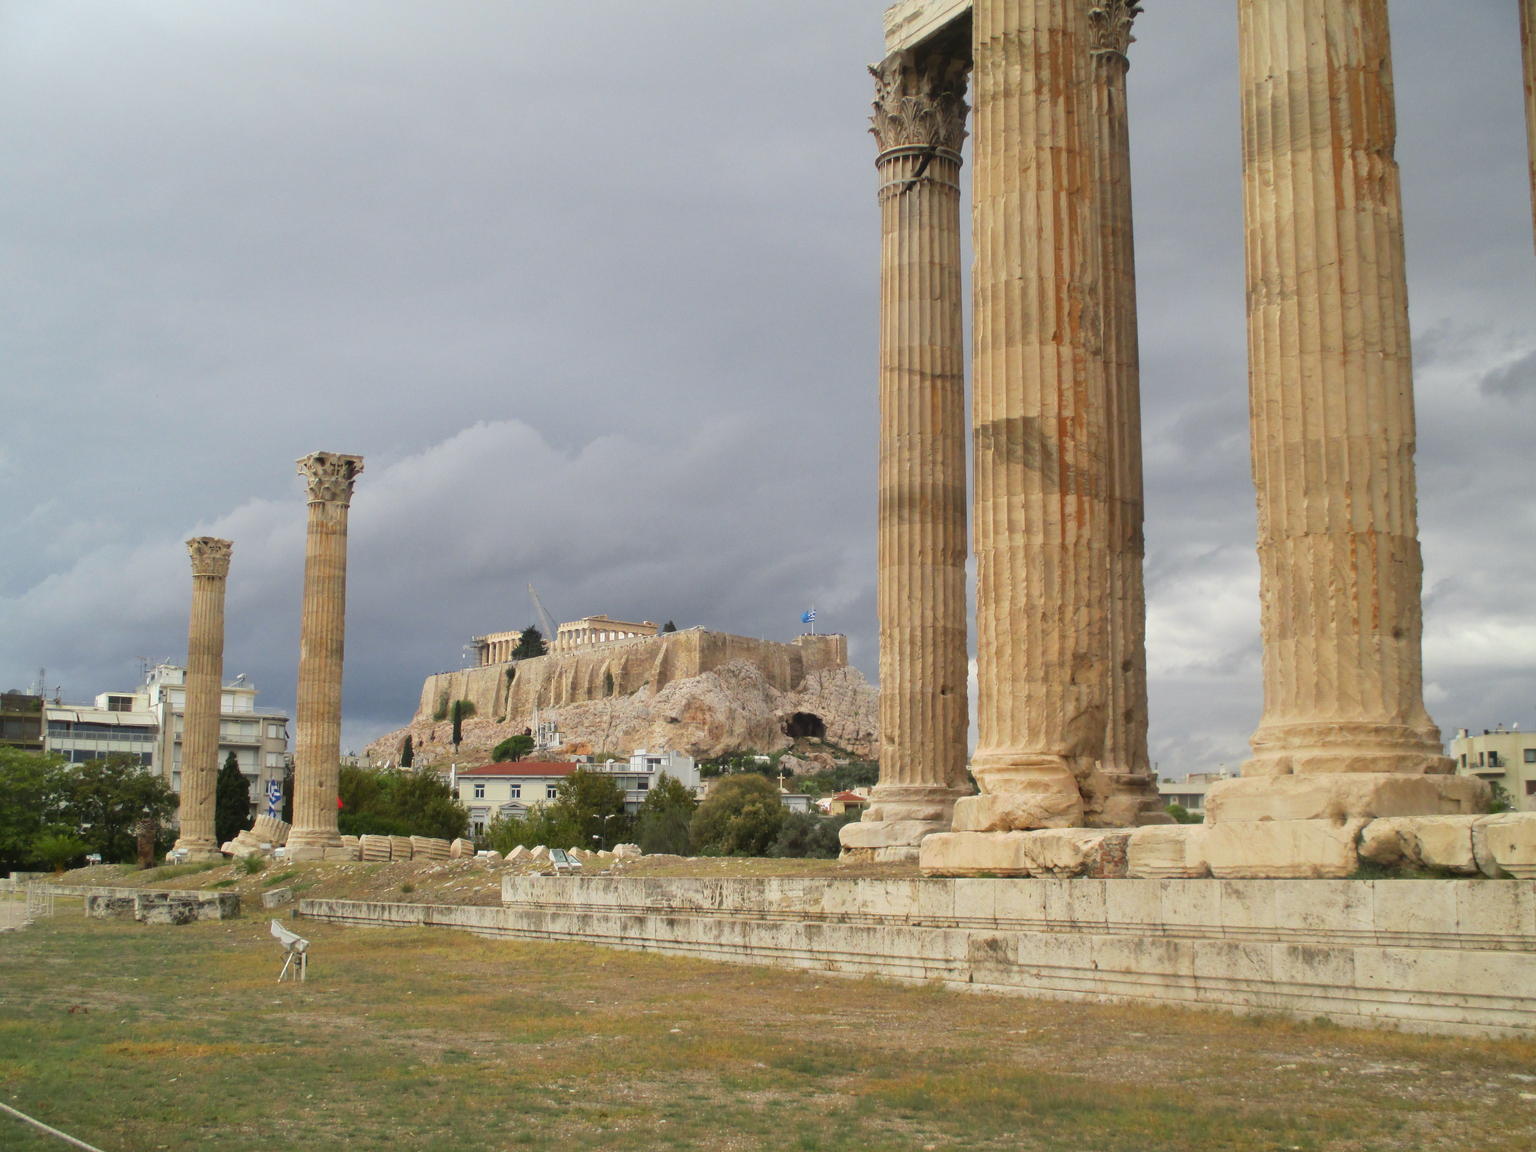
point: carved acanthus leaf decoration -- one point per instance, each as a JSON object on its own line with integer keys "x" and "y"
{"x": 210, "y": 555}
{"x": 330, "y": 476}
{"x": 1111, "y": 21}
{"x": 919, "y": 103}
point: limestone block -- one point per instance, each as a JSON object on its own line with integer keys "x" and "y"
{"x": 400, "y": 848}
{"x": 492, "y": 858}
{"x": 1168, "y": 852}
{"x": 518, "y": 853}
{"x": 341, "y": 852}
{"x": 354, "y": 842}
{"x": 627, "y": 851}
{"x": 1421, "y": 842}
{"x": 270, "y": 830}
{"x": 973, "y": 854}
{"x": 276, "y": 897}
{"x": 1065, "y": 852}
{"x": 1045, "y": 807}
{"x": 1283, "y": 849}
{"x": 461, "y": 849}
{"x": 374, "y": 847}
{"x": 1342, "y": 796}
{"x": 538, "y": 852}
{"x": 1510, "y": 839}
{"x": 876, "y": 834}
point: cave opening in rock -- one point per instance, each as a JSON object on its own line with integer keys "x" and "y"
{"x": 805, "y": 724}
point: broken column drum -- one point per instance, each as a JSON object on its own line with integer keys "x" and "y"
{"x": 205, "y": 674}
{"x": 919, "y": 125}
{"x": 1331, "y": 395}
{"x": 317, "y": 750}
{"x": 1041, "y": 450}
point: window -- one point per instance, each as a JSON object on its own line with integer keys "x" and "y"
{"x": 479, "y": 790}
{"x": 551, "y": 791}
{"x": 643, "y": 784}
{"x": 119, "y": 703}
{"x": 1530, "y": 755}
{"x": 1530, "y": 787}
{"x": 517, "y": 791}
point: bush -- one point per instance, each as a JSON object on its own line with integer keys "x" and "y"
{"x": 666, "y": 818}
{"x": 56, "y": 849}
{"x": 391, "y": 802}
{"x": 512, "y": 748}
{"x": 741, "y": 816}
{"x": 806, "y": 835}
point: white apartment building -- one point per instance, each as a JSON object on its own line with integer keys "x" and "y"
{"x": 148, "y": 724}
{"x": 1190, "y": 792}
{"x": 1505, "y": 756}
{"x": 510, "y": 790}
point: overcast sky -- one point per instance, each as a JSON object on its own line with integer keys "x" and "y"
{"x": 592, "y": 287}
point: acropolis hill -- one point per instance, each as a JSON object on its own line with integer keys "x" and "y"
{"x": 696, "y": 691}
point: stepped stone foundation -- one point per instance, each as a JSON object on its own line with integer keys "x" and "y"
{"x": 1449, "y": 956}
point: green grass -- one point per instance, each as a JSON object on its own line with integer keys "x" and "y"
{"x": 137, "y": 1038}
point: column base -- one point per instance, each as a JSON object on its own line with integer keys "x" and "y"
{"x": 886, "y": 841}
{"x": 1020, "y": 792}
{"x": 197, "y": 851}
{"x": 1335, "y": 749}
{"x": 1132, "y": 802}
{"x": 307, "y": 845}
{"x": 1343, "y": 796}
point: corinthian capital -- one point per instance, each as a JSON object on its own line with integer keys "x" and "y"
{"x": 210, "y": 556}
{"x": 920, "y": 101}
{"x": 1111, "y": 21}
{"x": 330, "y": 476}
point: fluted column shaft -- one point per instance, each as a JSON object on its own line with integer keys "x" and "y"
{"x": 205, "y": 677}
{"x": 919, "y": 125}
{"x": 1528, "y": 47}
{"x": 1132, "y": 791}
{"x": 1331, "y": 394}
{"x": 317, "y": 746}
{"x": 1040, "y": 433}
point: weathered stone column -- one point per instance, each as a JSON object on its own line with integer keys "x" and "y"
{"x": 1129, "y": 789}
{"x": 1040, "y": 518}
{"x": 205, "y": 678}
{"x": 317, "y": 747}
{"x": 1528, "y": 43}
{"x": 1344, "y": 732}
{"x": 919, "y": 125}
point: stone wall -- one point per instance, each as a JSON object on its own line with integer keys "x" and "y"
{"x": 152, "y": 906}
{"x": 1448, "y": 956}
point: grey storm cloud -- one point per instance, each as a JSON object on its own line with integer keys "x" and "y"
{"x": 593, "y": 289}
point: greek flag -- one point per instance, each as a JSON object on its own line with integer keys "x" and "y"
{"x": 808, "y": 617}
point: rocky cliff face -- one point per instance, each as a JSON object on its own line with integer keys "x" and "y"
{"x": 736, "y": 707}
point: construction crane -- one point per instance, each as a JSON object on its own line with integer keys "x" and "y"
{"x": 544, "y": 621}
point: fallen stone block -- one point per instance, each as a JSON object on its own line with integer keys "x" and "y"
{"x": 400, "y": 848}
{"x": 1167, "y": 852}
{"x": 1283, "y": 849}
{"x": 276, "y": 897}
{"x": 375, "y": 847}
{"x": 461, "y": 849}
{"x": 627, "y": 851}
{"x": 1509, "y": 838}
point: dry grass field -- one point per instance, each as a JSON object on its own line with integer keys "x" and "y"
{"x": 138, "y": 1039}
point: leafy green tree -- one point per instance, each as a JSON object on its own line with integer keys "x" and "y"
{"x": 407, "y": 752}
{"x": 530, "y": 644}
{"x": 590, "y": 804}
{"x": 1182, "y": 815}
{"x": 232, "y": 801}
{"x": 542, "y": 825}
{"x": 807, "y": 835}
{"x": 666, "y": 817}
{"x": 741, "y": 816}
{"x": 1501, "y": 801}
{"x": 513, "y": 748}
{"x": 56, "y": 849}
{"x": 392, "y": 802}
{"x": 105, "y": 800}
{"x": 31, "y": 797}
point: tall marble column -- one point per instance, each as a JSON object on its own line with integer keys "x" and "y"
{"x": 317, "y": 747}
{"x": 919, "y": 126}
{"x": 205, "y": 677}
{"x": 1344, "y": 731}
{"x": 1040, "y": 519}
{"x": 1127, "y": 789}
{"x": 1528, "y": 45}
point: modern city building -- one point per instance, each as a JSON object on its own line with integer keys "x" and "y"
{"x": 147, "y": 723}
{"x": 1503, "y": 756}
{"x": 1189, "y": 793}
{"x": 506, "y": 791}
{"x": 21, "y": 721}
